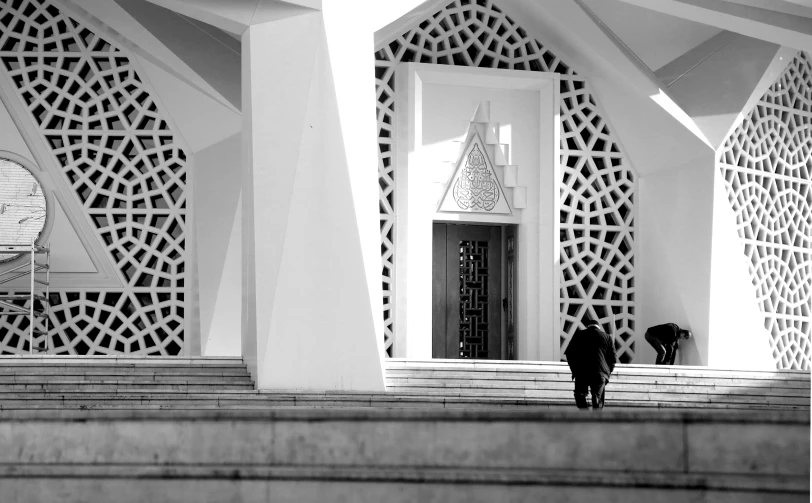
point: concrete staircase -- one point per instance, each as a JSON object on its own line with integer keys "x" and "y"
{"x": 48, "y": 382}
{"x": 130, "y": 429}
{"x": 630, "y": 386}
{"x": 111, "y": 382}
{"x": 373, "y": 455}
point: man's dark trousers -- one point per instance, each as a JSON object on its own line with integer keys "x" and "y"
{"x": 597, "y": 384}
{"x": 666, "y": 353}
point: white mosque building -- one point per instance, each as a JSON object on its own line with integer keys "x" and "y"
{"x": 319, "y": 186}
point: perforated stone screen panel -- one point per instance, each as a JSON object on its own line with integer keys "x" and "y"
{"x": 106, "y": 135}
{"x": 597, "y": 185}
{"x": 766, "y": 164}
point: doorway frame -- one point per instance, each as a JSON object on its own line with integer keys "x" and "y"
{"x": 412, "y": 296}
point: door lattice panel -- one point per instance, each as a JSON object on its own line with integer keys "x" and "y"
{"x": 766, "y": 163}
{"x": 597, "y": 187}
{"x": 474, "y": 299}
{"x": 122, "y": 161}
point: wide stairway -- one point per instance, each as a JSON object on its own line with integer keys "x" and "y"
{"x": 130, "y": 429}
{"x": 120, "y": 382}
{"x": 110, "y": 382}
{"x": 530, "y": 383}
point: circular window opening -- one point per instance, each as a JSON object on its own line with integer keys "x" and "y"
{"x": 22, "y": 207}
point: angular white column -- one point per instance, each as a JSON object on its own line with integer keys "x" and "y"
{"x": 738, "y": 337}
{"x": 309, "y": 318}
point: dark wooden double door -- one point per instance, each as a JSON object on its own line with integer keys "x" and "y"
{"x": 467, "y": 292}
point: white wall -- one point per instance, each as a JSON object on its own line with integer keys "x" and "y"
{"x": 675, "y": 229}
{"x": 217, "y": 186}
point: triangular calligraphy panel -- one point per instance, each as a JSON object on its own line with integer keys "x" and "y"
{"x": 474, "y": 188}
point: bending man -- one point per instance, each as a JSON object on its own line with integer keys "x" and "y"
{"x": 665, "y": 341}
{"x": 591, "y": 357}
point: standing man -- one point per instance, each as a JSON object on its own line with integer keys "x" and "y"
{"x": 665, "y": 341}
{"x": 591, "y": 357}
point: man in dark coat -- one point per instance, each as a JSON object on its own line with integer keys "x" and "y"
{"x": 592, "y": 358}
{"x": 665, "y": 341}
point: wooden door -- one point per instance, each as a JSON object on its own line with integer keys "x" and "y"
{"x": 467, "y": 304}
{"x": 512, "y": 349}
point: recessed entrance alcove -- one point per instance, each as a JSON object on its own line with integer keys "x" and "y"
{"x": 477, "y": 207}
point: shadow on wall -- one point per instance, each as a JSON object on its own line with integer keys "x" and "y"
{"x": 211, "y": 53}
{"x": 689, "y": 352}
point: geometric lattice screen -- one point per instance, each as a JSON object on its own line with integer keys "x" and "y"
{"x": 597, "y": 222}
{"x": 766, "y": 163}
{"x": 597, "y": 187}
{"x": 127, "y": 171}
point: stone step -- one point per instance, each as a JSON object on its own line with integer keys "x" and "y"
{"x": 81, "y": 432}
{"x": 224, "y": 382}
{"x": 123, "y": 386}
{"x": 399, "y": 384}
{"x": 301, "y": 485}
{"x": 119, "y": 361}
{"x": 537, "y": 363}
{"x": 794, "y": 381}
{"x": 698, "y": 398}
{"x": 471, "y": 405}
{"x": 699, "y": 386}
{"x": 769, "y": 387}
{"x": 562, "y": 373}
{"x": 244, "y": 399}
{"x": 109, "y": 365}
{"x": 93, "y": 372}
{"x": 253, "y": 482}
{"x": 527, "y": 366}
{"x": 403, "y": 384}
{"x": 675, "y": 455}
{"x": 124, "y": 377}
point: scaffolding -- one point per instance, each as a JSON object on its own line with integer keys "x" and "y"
{"x": 39, "y": 272}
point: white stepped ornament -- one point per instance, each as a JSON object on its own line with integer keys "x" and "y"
{"x": 474, "y": 188}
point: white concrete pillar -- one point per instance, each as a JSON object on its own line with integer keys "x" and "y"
{"x": 738, "y": 337}
{"x": 311, "y": 268}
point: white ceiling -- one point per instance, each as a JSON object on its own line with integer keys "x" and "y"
{"x": 801, "y": 8}
{"x": 656, "y": 38}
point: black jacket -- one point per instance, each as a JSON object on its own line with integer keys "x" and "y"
{"x": 591, "y": 353}
{"x": 667, "y": 333}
